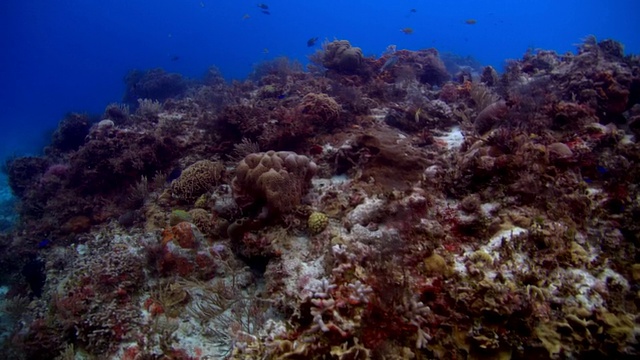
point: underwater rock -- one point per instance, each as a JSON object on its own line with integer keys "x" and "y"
{"x": 155, "y": 84}
{"x": 23, "y": 173}
{"x": 489, "y": 116}
{"x": 431, "y": 69}
{"x": 185, "y": 253}
{"x": 393, "y": 164}
{"x": 489, "y": 76}
{"x": 35, "y": 276}
{"x": 71, "y": 133}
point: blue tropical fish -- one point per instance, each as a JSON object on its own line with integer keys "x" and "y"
{"x": 44, "y": 243}
{"x": 389, "y": 63}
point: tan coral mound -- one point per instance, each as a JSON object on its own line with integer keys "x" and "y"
{"x": 340, "y": 56}
{"x": 320, "y": 109}
{"x": 279, "y": 179}
{"x": 196, "y": 180}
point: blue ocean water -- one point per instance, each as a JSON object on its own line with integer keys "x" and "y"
{"x": 71, "y": 55}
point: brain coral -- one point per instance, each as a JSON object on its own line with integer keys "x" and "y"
{"x": 277, "y": 179}
{"x": 196, "y": 180}
{"x": 320, "y": 109}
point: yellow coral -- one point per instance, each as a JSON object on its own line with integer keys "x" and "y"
{"x": 317, "y": 222}
{"x": 202, "y": 201}
{"x": 436, "y": 265}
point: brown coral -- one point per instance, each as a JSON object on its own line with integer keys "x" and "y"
{"x": 196, "y": 180}
{"x": 340, "y": 56}
{"x": 320, "y": 110}
{"x": 490, "y": 115}
{"x": 276, "y": 179}
{"x": 203, "y": 220}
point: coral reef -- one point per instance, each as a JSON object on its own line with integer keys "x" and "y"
{"x": 361, "y": 210}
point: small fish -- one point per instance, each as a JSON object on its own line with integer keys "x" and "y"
{"x": 174, "y": 174}
{"x": 263, "y": 6}
{"x": 390, "y": 50}
{"x": 601, "y": 169}
{"x": 202, "y": 4}
{"x": 266, "y": 12}
{"x": 312, "y": 41}
{"x": 175, "y": 58}
{"x": 413, "y": 11}
{"x": 407, "y": 31}
{"x": 417, "y": 115}
{"x": 44, "y": 243}
{"x": 246, "y": 16}
{"x": 389, "y": 63}
{"x": 265, "y": 51}
{"x": 470, "y": 21}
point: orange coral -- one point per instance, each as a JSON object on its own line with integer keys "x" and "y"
{"x": 184, "y": 234}
{"x": 465, "y": 88}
